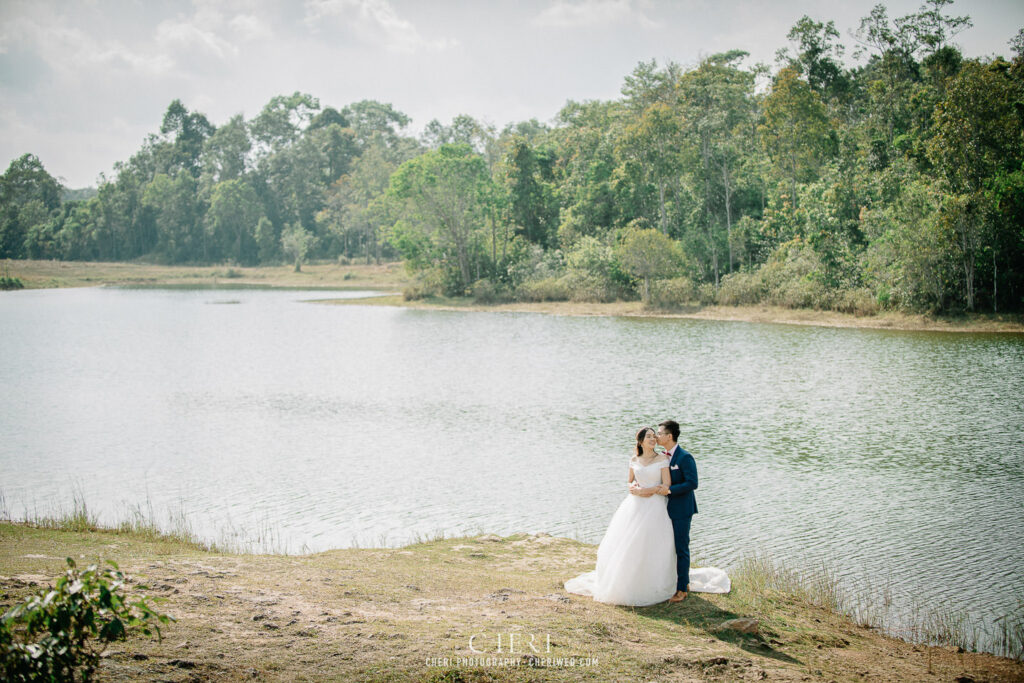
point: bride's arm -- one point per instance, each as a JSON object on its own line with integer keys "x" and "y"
{"x": 666, "y": 482}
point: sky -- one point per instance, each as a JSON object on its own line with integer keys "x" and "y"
{"x": 83, "y": 82}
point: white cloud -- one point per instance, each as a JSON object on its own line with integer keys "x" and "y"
{"x": 564, "y": 13}
{"x": 187, "y": 35}
{"x": 374, "y": 21}
{"x": 69, "y": 50}
{"x": 249, "y": 27}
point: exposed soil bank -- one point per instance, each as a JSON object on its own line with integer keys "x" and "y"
{"x": 410, "y": 613}
{"x": 760, "y": 314}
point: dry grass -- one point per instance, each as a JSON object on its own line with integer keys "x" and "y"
{"x": 50, "y": 274}
{"x": 409, "y": 613}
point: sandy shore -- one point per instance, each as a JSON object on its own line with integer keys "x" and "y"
{"x": 761, "y": 314}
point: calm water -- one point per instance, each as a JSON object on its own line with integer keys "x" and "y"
{"x": 896, "y": 456}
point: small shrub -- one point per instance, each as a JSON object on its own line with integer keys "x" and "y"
{"x": 343, "y": 260}
{"x": 427, "y": 283}
{"x": 547, "y": 289}
{"x": 673, "y": 293}
{"x": 856, "y": 301}
{"x": 11, "y": 283}
{"x": 741, "y": 289}
{"x": 590, "y": 288}
{"x": 805, "y": 292}
{"x": 706, "y": 294}
{"x": 487, "y": 292}
{"x": 51, "y": 635}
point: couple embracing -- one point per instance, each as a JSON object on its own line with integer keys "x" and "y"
{"x": 644, "y": 557}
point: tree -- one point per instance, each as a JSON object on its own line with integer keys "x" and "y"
{"x": 296, "y": 242}
{"x": 27, "y": 195}
{"x": 977, "y": 138}
{"x": 817, "y": 56}
{"x": 648, "y": 254}
{"x": 718, "y": 103}
{"x": 187, "y": 131}
{"x": 446, "y": 190}
{"x": 531, "y": 207}
{"x": 232, "y": 218}
{"x": 225, "y": 153}
{"x": 796, "y": 129}
{"x": 349, "y": 214}
{"x": 283, "y": 119}
{"x": 369, "y": 117}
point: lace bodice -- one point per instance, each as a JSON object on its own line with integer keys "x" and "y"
{"x": 649, "y": 474}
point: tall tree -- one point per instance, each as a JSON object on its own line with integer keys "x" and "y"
{"x": 27, "y": 196}
{"x": 446, "y": 189}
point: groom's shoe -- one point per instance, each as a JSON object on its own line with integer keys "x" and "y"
{"x": 679, "y": 596}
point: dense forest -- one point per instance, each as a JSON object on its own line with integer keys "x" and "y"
{"x": 895, "y": 183}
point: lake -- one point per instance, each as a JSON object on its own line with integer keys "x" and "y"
{"x": 256, "y": 416}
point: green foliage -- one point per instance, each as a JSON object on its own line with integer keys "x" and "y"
{"x": 742, "y": 289}
{"x": 427, "y": 283}
{"x": 488, "y": 292}
{"x": 545, "y": 289}
{"x": 59, "y": 634}
{"x": 444, "y": 195}
{"x": 11, "y": 283}
{"x": 296, "y": 243}
{"x": 648, "y": 254}
{"x": 673, "y": 293}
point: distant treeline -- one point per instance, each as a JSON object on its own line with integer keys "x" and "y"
{"x": 895, "y": 184}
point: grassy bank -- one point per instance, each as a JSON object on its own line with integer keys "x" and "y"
{"x": 52, "y": 274}
{"x": 409, "y": 613}
{"x": 392, "y": 277}
{"x": 891, "y": 320}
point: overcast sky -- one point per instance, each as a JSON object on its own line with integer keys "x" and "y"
{"x": 82, "y": 83}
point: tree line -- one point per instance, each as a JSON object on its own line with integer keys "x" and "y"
{"x": 896, "y": 183}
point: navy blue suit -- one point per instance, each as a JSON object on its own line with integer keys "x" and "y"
{"x": 682, "y": 506}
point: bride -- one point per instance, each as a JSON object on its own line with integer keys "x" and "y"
{"x": 636, "y": 561}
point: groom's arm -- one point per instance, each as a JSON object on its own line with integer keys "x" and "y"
{"x": 688, "y": 467}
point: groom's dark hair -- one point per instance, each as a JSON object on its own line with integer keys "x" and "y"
{"x": 672, "y": 427}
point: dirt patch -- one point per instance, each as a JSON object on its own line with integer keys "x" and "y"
{"x": 416, "y": 613}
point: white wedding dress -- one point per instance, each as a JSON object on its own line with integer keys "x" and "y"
{"x": 636, "y": 561}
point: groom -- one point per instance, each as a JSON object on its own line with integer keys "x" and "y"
{"x": 682, "y": 505}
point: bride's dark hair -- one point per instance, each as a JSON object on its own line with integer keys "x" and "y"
{"x": 640, "y": 436}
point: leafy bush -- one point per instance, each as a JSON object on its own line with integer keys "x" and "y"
{"x": 11, "y": 283}
{"x": 529, "y": 262}
{"x": 488, "y": 292}
{"x": 738, "y": 289}
{"x": 595, "y": 273}
{"x": 50, "y": 635}
{"x": 793, "y": 277}
{"x": 706, "y": 294}
{"x": 427, "y": 283}
{"x": 548, "y": 289}
{"x": 855, "y": 301}
{"x": 672, "y": 293}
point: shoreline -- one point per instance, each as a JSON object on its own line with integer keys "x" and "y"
{"x": 979, "y": 323}
{"x": 391, "y": 277}
{"x": 408, "y": 613}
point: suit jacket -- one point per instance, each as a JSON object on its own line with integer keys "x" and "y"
{"x": 683, "y": 470}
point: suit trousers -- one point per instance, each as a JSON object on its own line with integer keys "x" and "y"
{"x": 681, "y": 530}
